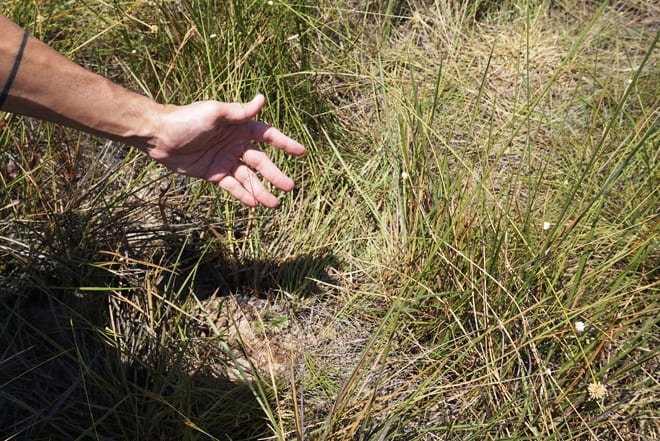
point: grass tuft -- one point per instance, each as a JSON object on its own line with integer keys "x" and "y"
{"x": 471, "y": 251}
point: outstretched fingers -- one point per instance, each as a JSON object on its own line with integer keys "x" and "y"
{"x": 244, "y": 181}
{"x": 234, "y": 188}
{"x": 234, "y": 113}
{"x": 264, "y": 133}
{"x": 246, "y": 186}
{"x": 259, "y": 161}
{"x": 253, "y": 185}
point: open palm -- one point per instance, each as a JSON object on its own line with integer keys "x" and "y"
{"x": 215, "y": 141}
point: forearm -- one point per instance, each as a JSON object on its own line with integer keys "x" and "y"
{"x": 49, "y": 86}
{"x": 207, "y": 139}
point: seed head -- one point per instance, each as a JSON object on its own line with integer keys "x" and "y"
{"x": 597, "y": 391}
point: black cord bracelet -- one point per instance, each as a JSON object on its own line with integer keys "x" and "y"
{"x": 14, "y": 70}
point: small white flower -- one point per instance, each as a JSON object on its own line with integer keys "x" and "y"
{"x": 546, "y": 225}
{"x": 566, "y": 182}
{"x": 404, "y": 175}
{"x": 134, "y": 51}
{"x": 597, "y": 391}
{"x": 270, "y": 2}
{"x": 213, "y": 35}
{"x": 548, "y": 372}
{"x": 579, "y": 326}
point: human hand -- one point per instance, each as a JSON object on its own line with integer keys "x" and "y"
{"x": 207, "y": 139}
{"x": 215, "y": 141}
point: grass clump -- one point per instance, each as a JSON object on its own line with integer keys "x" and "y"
{"x": 470, "y": 253}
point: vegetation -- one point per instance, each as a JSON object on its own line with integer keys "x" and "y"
{"x": 471, "y": 251}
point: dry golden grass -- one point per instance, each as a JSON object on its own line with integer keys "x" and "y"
{"x": 480, "y": 178}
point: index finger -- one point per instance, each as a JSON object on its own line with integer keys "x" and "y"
{"x": 259, "y": 161}
{"x": 262, "y": 132}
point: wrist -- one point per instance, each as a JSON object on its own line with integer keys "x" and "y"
{"x": 145, "y": 124}
{"x": 151, "y": 133}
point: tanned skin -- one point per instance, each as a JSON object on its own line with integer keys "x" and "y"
{"x": 211, "y": 140}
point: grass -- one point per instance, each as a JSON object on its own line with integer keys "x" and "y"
{"x": 480, "y": 177}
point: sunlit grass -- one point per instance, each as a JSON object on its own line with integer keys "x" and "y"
{"x": 471, "y": 246}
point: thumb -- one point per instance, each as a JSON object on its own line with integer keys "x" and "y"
{"x": 241, "y": 112}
